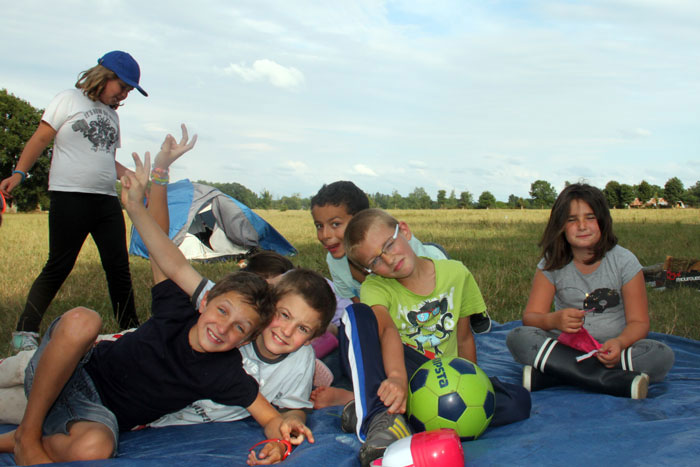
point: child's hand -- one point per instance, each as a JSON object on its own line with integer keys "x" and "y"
{"x": 134, "y": 184}
{"x": 170, "y": 150}
{"x": 392, "y": 393}
{"x": 295, "y": 431}
{"x": 271, "y": 453}
{"x": 609, "y": 353}
{"x": 569, "y": 320}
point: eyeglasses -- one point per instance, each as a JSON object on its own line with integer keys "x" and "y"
{"x": 377, "y": 261}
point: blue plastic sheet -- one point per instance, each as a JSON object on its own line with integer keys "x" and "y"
{"x": 567, "y": 426}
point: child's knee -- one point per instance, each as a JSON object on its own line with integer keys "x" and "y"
{"x": 79, "y": 323}
{"x": 92, "y": 444}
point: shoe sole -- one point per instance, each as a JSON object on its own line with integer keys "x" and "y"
{"x": 640, "y": 387}
{"x": 527, "y": 377}
{"x": 348, "y": 419}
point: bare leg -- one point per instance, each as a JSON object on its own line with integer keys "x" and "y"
{"x": 85, "y": 441}
{"x": 71, "y": 338}
{"x": 327, "y": 396}
{"x": 7, "y": 441}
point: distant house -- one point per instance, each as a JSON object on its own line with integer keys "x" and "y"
{"x": 636, "y": 203}
{"x": 656, "y": 203}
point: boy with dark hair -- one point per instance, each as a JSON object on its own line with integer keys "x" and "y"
{"x": 332, "y": 208}
{"x": 81, "y": 397}
{"x": 413, "y": 309}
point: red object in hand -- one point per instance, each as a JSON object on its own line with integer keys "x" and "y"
{"x": 580, "y": 340}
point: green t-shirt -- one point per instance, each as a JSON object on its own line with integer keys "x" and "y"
{"x": 428, "y": 323}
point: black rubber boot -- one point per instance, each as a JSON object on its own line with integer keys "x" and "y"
{"x": 559, "y": 360}
{"x": 534, "y": 379}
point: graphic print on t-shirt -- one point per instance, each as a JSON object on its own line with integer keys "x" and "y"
{"x": 431, "y": 324}
{"x": 99, "y": 130}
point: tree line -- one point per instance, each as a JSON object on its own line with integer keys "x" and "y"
{"x": 18, "y": 120}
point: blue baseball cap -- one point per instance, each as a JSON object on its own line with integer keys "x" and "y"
{"x": 124, "y": 66}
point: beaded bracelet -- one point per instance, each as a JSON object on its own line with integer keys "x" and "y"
{"x": 160, "y": 176}
{"x": 23, "y": 174}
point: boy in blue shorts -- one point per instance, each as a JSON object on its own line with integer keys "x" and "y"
{"x": 81, "y": 397}
{"x": 413, "y": 309}
{"x": 332, "y": 208}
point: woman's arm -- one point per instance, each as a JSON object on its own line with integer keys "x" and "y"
{"x": 537, "y": 311}
{"x": 41, "y": 138}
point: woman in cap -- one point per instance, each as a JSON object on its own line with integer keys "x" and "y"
{"x": 84, "y": 126}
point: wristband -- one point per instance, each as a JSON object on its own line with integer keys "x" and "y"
{"x": 23, "y": 174}
{"x": 160, "y": 176}
{"x": 287, "y": 445}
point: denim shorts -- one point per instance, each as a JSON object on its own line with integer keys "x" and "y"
{"x": 78, "y": 401}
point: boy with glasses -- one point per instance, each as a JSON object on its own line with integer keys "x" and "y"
{"x": 413, "y": 309}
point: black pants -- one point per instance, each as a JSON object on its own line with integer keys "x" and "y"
{"x": 72, "y": 217}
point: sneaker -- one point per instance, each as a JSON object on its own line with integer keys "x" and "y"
{"x": 348, "y": 419}
{"x": 384, "y": 429}
{"x": 640, "y": 386}
{"x": 480, "y": 322}
{"x": 25, "y": 340}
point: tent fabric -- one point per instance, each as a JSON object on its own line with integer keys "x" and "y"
{"x": 567, "y": 426}
{"x": 236, "y": 228}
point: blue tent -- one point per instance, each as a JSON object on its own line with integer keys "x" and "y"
{"x": 208, "y": 224}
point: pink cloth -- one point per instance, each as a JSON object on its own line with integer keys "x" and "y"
{"x": 580, "y": 340}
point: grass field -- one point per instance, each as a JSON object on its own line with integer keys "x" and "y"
{"x": 498, "y": 246}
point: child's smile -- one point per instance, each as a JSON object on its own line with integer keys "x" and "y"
{"x": 330, "y": 222}
{"x": 294, "y": 324}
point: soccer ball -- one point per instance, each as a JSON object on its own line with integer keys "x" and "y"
{"x": 451, "y": 393}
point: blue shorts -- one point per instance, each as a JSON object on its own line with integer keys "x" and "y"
{"x": 78, "y": 401}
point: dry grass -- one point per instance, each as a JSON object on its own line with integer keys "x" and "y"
{"x": 498, "y": 246}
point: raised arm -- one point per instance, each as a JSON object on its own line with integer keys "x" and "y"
{"x": 170, "y": 259}
{"x": 170, "y": 151}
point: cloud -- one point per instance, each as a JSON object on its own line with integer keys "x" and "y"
{"x": 268, "y": 70}
{"x": 361, "y": 169}
{"x": 635, "y": 133}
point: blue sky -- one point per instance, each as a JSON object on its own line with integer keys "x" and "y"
{"x": 454, "y": 95}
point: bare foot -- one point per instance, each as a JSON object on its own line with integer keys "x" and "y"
{"x": 30, "y": 452}
{"x": 330, "y": 396}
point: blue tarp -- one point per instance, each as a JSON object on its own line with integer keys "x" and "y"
{"x": 567, "y": 426}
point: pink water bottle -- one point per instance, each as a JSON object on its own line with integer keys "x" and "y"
{"x": 428, "y": 449}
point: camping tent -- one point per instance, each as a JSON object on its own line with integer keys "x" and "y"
{"x": 208, "y": 224}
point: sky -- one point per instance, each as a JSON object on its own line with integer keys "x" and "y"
{"x": 440, "y": 94}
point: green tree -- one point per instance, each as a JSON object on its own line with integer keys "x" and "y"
{"x": 396, "y": 201}
{"x": 380, "y": 200}
{"x": 486, "y": 200}
{"x": 612, "y": 193}
{"x": 673, "y": 191}
{"x": 236, "y": 191}
{"x": 466, "y": 200}
{"x": 543, "y": 194}
{"x": 18, "y": 121}
{"x": 515, "y": 202}
{"x": 265, "y": 200}
{"x": 626, "y": 195}
{"x": 441, "y": 199}
{"x": 644, "y": 191}
{"x": 419, "y": 199}
{"x": 692, "y": 194}
{"x": 452, "y": 200}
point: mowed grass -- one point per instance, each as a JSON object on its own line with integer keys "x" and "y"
{"x": 498, "y": 246}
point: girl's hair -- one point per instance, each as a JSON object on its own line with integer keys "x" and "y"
{"x": 93, "y": 81}
{"x": 268, "y": 264}
{"x": 314, "y": 289}
{"x": 556, "y": 250}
